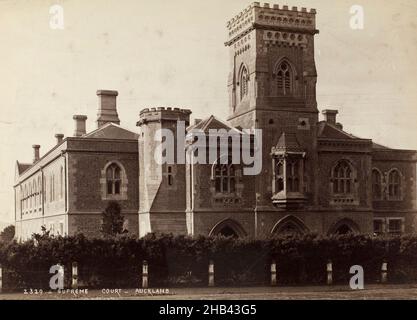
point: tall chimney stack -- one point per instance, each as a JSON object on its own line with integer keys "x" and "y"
{"x": 59, "y": 137}
{"x": 330, "y": 116}
{"x": 36, "y": 148}
{"x": 79, "y": 125}
{"x": 107, "y": 108}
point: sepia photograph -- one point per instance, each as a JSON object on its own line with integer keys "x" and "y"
{"x": 180, "y": 152}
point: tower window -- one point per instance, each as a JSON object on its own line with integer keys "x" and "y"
{"x": 113, "y": 179}
{"x": 394, "y": 185}
{"x": 284, "y": 79}
{"x": 244, "y": 85}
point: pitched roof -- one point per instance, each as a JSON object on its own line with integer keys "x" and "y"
{"x": 379, "y": 146}
{"x": 211, "y": 123}
{"x": 288, "y": 142}
{"x": 330, "y": 131}
{"x": 22, "y": 167}
{"x": 111, "y": 131}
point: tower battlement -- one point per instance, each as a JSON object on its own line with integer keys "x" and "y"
{"x": 161, "y": 113}
{"x": 271, "y": 17}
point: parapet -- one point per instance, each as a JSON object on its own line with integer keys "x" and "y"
{"x": 162, "y": 113}
{"x": 266, "y": 15}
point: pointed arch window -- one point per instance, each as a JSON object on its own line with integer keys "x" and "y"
{"x": 394, "y": 185}
{"x": 293, "y": 180}
{"x": 279, "y": 176}
{"x": 244, "y": 82}
{"x": 113, "y": 179}
{"x": 343, "y": 178}
{"x": 376, "y": 185}
{"x": 284, "y": 79}
{"x": 40, "y": 191}
{"x": 225, "y": 178}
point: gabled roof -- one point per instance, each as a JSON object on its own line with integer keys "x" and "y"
{"x": 288, "y": 142}
{"x": 211, "y": 123}
{"x": 22, "y": 167}
{"x": 112, "y": 131}
{"x": 330, "y": 131}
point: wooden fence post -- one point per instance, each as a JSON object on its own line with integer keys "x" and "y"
{"x": 273, "y": 273}
{"x": 145, "y": 274}
{"x": 329, "y": 272}
{"x": 74, "y": 283}
{"x": 211, "y": 274}
{"x": 384, "y": 272}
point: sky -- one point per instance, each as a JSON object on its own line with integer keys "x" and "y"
{"x": 171, "y": 53}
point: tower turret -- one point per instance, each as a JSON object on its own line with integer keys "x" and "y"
{"x": 162, "y": 191}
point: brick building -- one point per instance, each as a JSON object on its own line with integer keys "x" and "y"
{"x": 315, "y": 177}
{"x": 67, "y": 189}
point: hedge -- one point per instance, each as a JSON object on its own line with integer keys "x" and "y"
{"x": 183, "y": 261}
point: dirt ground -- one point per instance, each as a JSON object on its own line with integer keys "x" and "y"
{"x": 374, "y": 292}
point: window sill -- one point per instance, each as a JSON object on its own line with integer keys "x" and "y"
{"x": 346, "y": 201}
{"x": 111, "y": 197}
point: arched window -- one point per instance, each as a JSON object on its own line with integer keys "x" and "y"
{"x": 289, "y": 225}
{"x": 30, "y": 196}
{"x": 113, "y": 179}
{"x": 244, "y": 82}
{"x": 284, "y": 79}
{"x": 343, "y": 230}
{"x": 228, "y": 228}
{"x": 61, "y": 183}
{"x": 394, "y": 185}
{"x": 225, "y": 178}
{"x": 39, "y": 191}
{"x": 342, "y": 178}
{"x": 279, "y": 176}
{"x": 51, "y": 188}
{"x": 35, "y": 192}
{"x": 344, "y": 227}
{"x": 293, "y": 180}
{"x": 376, "y": 185}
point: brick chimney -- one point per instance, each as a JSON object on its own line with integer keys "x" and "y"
{"x": 36, "y": 148}
{"x": 107, "y": 108}
{"x": 59, "y": 137}
{"x": 330, "y": 116}
{"x": 79, "y": 125}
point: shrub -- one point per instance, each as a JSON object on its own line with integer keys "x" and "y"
{"x": 183, "y": 261}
